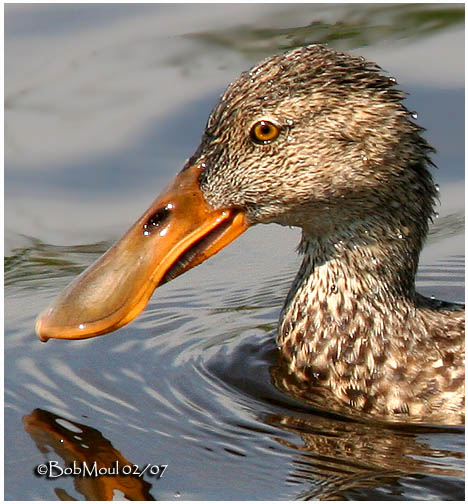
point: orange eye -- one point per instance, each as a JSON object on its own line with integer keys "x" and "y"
{"x": 264, "y": 132}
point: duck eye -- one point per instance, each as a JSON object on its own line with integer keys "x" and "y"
{"x": 264, "y": 132}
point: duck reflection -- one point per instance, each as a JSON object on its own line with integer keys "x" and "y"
{"x": 339, "y": 454}
{"x": 335, "y": 455}
{"x": 78, "y": 444}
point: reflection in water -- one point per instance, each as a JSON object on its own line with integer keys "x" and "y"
{"x": 79, "y": 443}
{"x": 41, "y": 262}
{"x": 334, "y": 456}
{"x": 337, "y": 455}
{"x": 346, "y": 454}
{"x": 359, "y": 26}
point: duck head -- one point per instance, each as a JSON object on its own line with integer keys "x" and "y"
{"x": 312, "y": 138}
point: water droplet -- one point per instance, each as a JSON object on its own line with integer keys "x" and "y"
{"x": 146, "y": 233}
{"x": 163, "y": 232}
{"x": 364, "y": 158}
{"x": 399, "y": 235}
{"x": 432, "y": 297}
{"x": 414, "y": 115}
{"x": 437, "y": 187}
{"x": 289, "y": 122}
{"x": 392, "y": 79}
{"x": 436, "y": 215}
{"x": 177, "y": 495}
{"x": 81, "y": 326}
{"x": 374, "y": 260}
{"x": 333, "y": 289}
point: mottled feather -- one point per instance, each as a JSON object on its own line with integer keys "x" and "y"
{"x": 349, "y": 167}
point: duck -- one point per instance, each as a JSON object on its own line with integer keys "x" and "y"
{"x": 316, "y": 139}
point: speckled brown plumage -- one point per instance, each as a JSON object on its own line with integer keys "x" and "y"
{"x": 351, "y": 169}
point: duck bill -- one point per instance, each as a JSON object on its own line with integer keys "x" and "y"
{"x": 178, "y": 231}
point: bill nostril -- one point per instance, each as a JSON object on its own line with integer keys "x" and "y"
{"x": 158, "y": 219}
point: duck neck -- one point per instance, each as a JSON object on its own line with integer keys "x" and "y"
{"x": 345, "y": 289}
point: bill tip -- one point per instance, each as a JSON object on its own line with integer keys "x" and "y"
{"x": 40, "y": 330}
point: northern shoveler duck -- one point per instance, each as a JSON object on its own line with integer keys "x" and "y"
{"x": 317, "y": 139}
